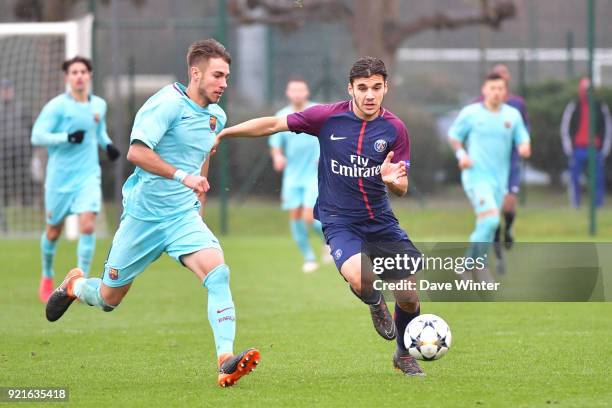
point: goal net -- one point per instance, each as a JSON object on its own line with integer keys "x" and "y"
{"x": 31, "y": 55}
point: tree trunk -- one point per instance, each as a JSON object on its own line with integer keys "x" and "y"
{"x": 56, "y": 10}
{"x": 368, "y": 29}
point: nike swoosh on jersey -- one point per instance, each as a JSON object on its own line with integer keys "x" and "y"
{"x": 223, "y": 310}
{"x": 186, "y": 117}
{"x": 332, "y": 137}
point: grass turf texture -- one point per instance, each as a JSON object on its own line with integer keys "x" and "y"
{"x": 317, "y": 343}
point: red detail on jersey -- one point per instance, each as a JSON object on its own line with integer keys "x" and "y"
{"x": 360, "y": 182}
{"x": 361, "y": 133}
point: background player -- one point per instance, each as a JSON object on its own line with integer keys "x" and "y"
{"x": 297, "y": 156}
{"x": 170, "y": 142}
{"x": 514, "y": 178}
{"x": 482, "y": 137}
{"x": 365, "y": 152}
{"x": 71, "y": 126}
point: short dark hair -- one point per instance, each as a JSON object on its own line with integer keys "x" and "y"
{"x": 493, "y": 76}
{"x": 366, "y": 67}
{"x": 206, "y": 49}
{"x": 87, "y": 62}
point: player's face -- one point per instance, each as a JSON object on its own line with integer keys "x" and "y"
{"x": 297, "y": 93}
{"x": 494, "y": 92}
{"x": 368, "y": 94}
{"x": 78, "y": 77}
{"x": 211, "y": 77}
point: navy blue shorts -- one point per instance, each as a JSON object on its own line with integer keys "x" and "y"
{"x": 380, "y": 237}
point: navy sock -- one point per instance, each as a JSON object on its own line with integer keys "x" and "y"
{"x": 509, "y": 218}
{"x": 371, "y": 297}
{"x": 402, "y": 318}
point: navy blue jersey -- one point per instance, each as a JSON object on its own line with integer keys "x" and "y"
{"x": 352, "y": 152}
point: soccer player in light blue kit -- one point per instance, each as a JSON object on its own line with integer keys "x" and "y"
{"x": 170, "y": 143}
{"x": 71, "y": 126}
{"x": 482, "y": 137}
{"x": 297, "y": 156}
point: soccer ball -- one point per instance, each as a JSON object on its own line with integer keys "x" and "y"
{"x": 427, "y": 337}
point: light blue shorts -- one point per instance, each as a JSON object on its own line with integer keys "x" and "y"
{"x": 484, "y": 197}
{"x": 60, "y": 205}
{"x": 139, "y": 243}
{"x": 296, "y": 196}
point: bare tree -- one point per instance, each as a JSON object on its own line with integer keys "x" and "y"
{"x": 376, "y": 26}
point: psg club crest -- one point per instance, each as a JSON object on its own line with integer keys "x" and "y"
{"x": 213, "y": 123}
{"x": 113, "y": 274}
{"x": 380, "y": 145}
{"x": 338, "y": 253}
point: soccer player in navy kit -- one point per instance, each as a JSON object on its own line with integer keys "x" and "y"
{"x": 365, "y": 152}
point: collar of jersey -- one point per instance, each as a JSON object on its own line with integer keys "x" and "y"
{"x": 380, "y": 113}
{"x": 69, "y": 96}
{"x": 183, "y": 91}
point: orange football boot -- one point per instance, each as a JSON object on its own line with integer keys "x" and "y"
{"x": 232, "y": 368}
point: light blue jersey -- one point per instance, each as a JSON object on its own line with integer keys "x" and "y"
{"x": 182, "y": 133}
{"x": 301, "y": 151}
{"x": 488, "y": 138}
{"x": 71, "y": 167}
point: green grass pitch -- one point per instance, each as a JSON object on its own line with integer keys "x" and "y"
{"x": 318, "y": 346}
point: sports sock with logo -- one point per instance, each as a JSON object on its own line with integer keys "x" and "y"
{"x": 221, "y": 311}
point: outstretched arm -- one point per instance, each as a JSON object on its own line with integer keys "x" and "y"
{"x": 253, "y": 128}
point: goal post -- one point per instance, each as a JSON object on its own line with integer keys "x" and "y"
{"x": 77, "y": 34}
{"x": 31, "y": 55}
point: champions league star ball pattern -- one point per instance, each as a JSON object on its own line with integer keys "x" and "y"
{"x": 427, "y": 337}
